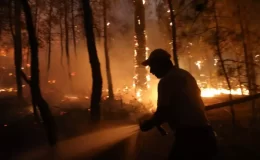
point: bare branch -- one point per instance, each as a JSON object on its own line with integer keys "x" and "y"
{"x": 26, "y": 79}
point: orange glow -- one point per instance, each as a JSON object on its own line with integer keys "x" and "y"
{"x": 212, "y": 92}
{"x": 7, "y": 90}
{"x": 51, "y": 81}
{"x": 73, "y": 73}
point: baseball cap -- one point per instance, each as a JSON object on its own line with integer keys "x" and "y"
{"x": 156, "y": 54}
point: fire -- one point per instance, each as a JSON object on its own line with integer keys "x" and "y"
{"x": 73, "y": 73}
{"x": 213, "y": 92}
{"x": 3, "y": 53}
{"x": 51, "y": 81}
{"x": 7, "y": 90}
{"x": 138, "y": 95}
{"x": 215, "y": 62}
{"x": 198, "y": 63}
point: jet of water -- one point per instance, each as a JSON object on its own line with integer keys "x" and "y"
{"x": 88, "y": 144}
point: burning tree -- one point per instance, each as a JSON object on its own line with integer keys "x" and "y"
{"x": 141, "y": 77}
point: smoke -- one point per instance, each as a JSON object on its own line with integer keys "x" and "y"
{"x": 121, "y": 53}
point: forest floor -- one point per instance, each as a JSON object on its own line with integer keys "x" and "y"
{"x": 22, "y": 137}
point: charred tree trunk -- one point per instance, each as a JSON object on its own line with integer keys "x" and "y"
{"x": 10, "y": 14}
{"x": 37, "y": 98}
{"x": 174, "y": 38}
{"x": 239, "y": 74}
{"x": 66, "y": 32}
{"x": 217, "y": 39}
{"x": 245, "y": 51}
{"x": 108, "y": 70}
{"x": 18, "y": 49}
{"x": 140, "y": 80}
{"x": 36, "y": 17}
{"x": 73, "y": 27}
{"x": 49, "y": 34}
{"x": 250, "y": 73}
{"x": 94, "y": 62}
{"x": 61, "y": 37}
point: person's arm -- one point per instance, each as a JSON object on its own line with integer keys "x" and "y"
{"x": 163, "y": 105}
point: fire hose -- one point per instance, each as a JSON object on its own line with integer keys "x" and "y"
{"x": 160, "y": 129}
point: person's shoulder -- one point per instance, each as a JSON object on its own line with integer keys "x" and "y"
{"x": 183, "y": 73}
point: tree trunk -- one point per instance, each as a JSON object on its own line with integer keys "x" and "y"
{"x": 239, "y": 74}
{"x": 94, "y": 62}
{"x": 66, "y": 32}
{"x": 222, "y": 64}
{"x": 61, "y": 37}
{"x": 174, "y": 38}
{"x": 108, "y": 70}
{"x": 49, "y": 34}
{"x": 140, "y": 80}
{"x": 250, "y": 73}
{"x": 73, "y": 27}
{"x": 37, "y": 98}
{"x": 18, "y": 49}
{"x": 36, "y": 17}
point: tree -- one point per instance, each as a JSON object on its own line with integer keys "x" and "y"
{"x": 18, "y": 48}
{"x": 66, "y": 28}
{"x": 94, "y": 62}
{"x": 61, "y": 33}
{"x": 108, "y": 70}
{"x": 218, "y": 52}
{"x": 140, "y": 78}
{"x": 50, "y": 33}
{"x": 174, "y": 34}
{"x": 73, "y": 26}
{"x": 248, "y": 57}
{"x": 37, "y": 99}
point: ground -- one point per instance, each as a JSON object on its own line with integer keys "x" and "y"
{"x": 22, "y": 138}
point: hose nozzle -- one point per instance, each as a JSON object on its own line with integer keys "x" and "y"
{"x": 161, "y": 130}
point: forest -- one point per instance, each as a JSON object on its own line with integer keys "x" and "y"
{"x": 68, "y": 67}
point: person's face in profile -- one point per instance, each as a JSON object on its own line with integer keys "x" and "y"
{"x": 157, "y": 68}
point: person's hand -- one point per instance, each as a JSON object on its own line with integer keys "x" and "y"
{"x": 146, "y": 125}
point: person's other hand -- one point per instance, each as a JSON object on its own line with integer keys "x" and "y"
{"x": 146, "y": 125}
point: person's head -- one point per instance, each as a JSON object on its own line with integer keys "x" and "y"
{"x": 159, "y": 62}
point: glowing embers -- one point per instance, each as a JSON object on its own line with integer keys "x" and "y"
{"x": 198, "y": 64}
{"x": 7, "y": 90}
{"x": 51, "y": 81}
{"x": 3, "y": 53}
